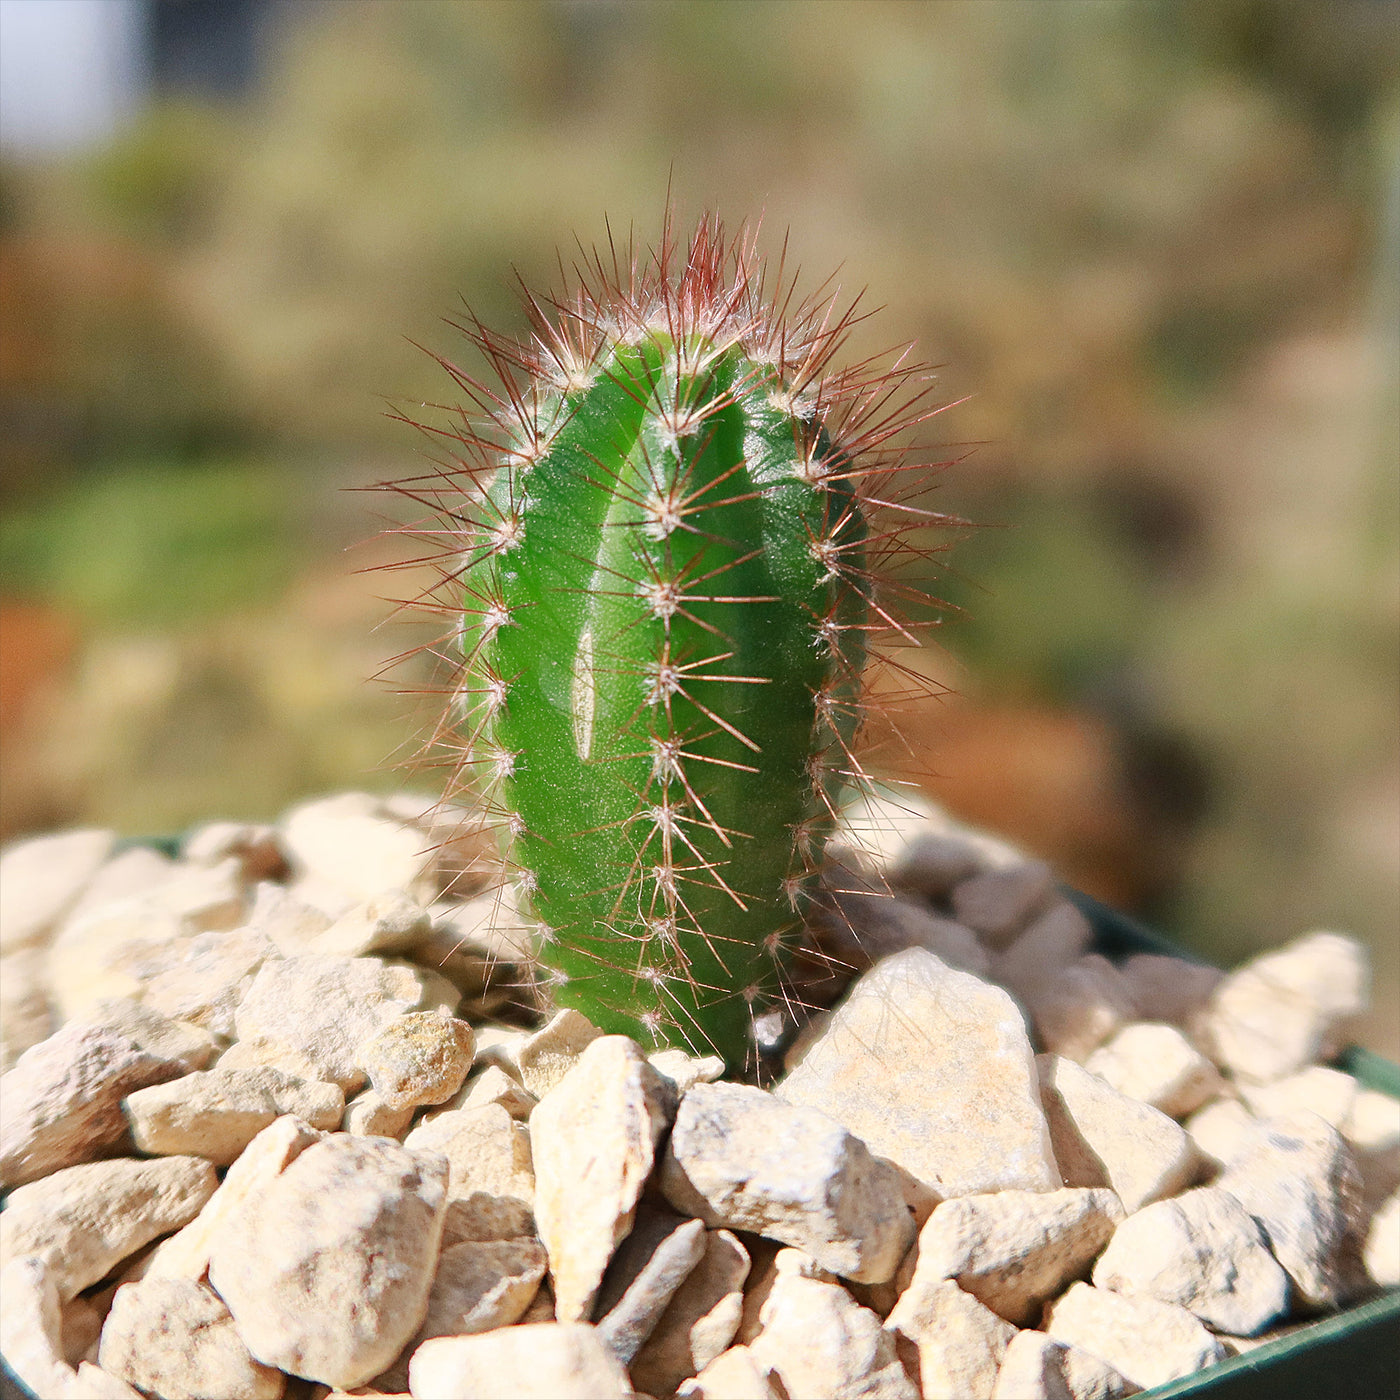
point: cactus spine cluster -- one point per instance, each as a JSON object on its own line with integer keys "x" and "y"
{"x": 659, "y": 536}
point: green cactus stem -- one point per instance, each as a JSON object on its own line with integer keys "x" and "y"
{"x": 662, "y": 533}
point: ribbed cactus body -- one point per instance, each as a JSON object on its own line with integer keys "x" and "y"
{"x": 660, "y": 535}
{"x": 664, "y": 662}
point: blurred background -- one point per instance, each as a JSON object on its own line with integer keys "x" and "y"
{"x": 1154, "y": 247}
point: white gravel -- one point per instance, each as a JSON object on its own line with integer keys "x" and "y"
{"x": 532, "y": 1209}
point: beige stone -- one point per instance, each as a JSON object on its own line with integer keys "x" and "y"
{"x": 821, "y": 1342}
{"x": 217, "y": 1113}
{"x": 768, "y": 1260}
{"x": 497, "y": 1047}
{"x": 104, "y": 952}
{"x": 212, "y": 976}
{"x": 206, "y": 898}
{"x": 543, "y": 1059}
{"x": 462, "y": 840}
{"x": 652, "y": 1278}
{"x": 1089, "y": 1377}
{"x": 958, "y": 1342}
{"x": 732, "y": 1375}
{"x": 1032, "y": 1368}
{"x": 1169, "y": 989}
{"x": 882, "y": 821}
{"x": 1037, "y": 1367}
{"x": 189, "y": 1046}
{"x": 491, "y": 1186}
{"x": 932, "y": 862}
{"x": 93, "y": 1383}
{"x": 1149, "y": 1342}
{"x": 327, "y": 1268}
{"x": 25, "y": 1018}
{"x": 186, "y": 1253}
{"x": 348, "y": 845}
{"x": 253, "y": 845}
{"x": 420, "y": 1058}
{"x": 1299, "y": 1181}
{"x": 860, "y": 922}
{"x": 1372, "y": 1129}
{"x": 494, "y": 1085}
{"x": 1155, "y": 1063}
{"x": 1221, "y": 1130}
{"x": 480, "y": 1215}
{"x": 543, "y": 1361}
{"x": 390, "y": 922}
{"x": 367, "y": 1115}
{"x": 135, "y": 871}
{"x": 1373, "y": 1124}
{"x": 481, "y": 1285}
{"x": 478, "y": 1286}
{"x": 30, "y": 1326}
{"x": 1286, "y": 1009}
{"x": 61, "y": 1103}
{"x": 946, "y": 1089}
{"x": 256, "y": 1052}
{"x": 439, "y": 993}
{"x": 1081, "y": 1007}
{"x": 480, "y": 944}
{"x": 1000, "y": 904}
{"x": 740, "y": 1158}
{"x": 1381, "y": 1255}
{"x": 175, "y": 1338}
{"x": 85, "y": 1220}
{"x": 325, "y": 1007}
{"x": 594, "y": 1138}
{"x": 700, "y": 1321}
{"x": 685, "y": 1070}
{"x": 1203, "y": 1252}
{"x": 1015, "y": 1250}
{"x": 289, "y": 923}
{"x": 80, "y": 1326}
{"x": 1050, "y": 942}
{"x": 1104, "y": 1138}
{"x": 42, "y": 878}
{"x": 115, "y": 948}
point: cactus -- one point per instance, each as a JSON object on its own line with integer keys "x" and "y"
{"x": 658, "y": 538}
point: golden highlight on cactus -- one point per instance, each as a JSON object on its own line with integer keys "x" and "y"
{"x": 662, "y": 540}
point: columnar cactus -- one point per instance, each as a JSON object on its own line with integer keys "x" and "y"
{"x": 660, "y": 533}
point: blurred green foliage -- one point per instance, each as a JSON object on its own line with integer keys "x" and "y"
{"x": 158, "y": 544}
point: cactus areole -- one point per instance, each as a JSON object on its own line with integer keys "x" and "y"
{"x": 660, "y": 539}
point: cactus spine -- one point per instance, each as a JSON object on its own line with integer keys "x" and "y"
{"x": 660, "y": 542}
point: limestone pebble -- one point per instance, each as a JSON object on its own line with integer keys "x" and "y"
{"x": 1015, "y": 1250}
{"x": 420, "y": 1058}
{"x": 216, "y": 1113}
{"x": 42, "y": 878}
{"x": 1148, "y": 1341}
{"x": 324, "y": 1007}
{"x": 740, "y": 1158}
{"x": 946, "y": 1089}
{"x": 327, "y": 1266}
{"x": 538, "y": 1361}
{"x": 594, "y": 1137}
{"x": 61, "y": 1103}
{"x": 1203, "y": 1251}
{"x": 175, "y": 1338}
